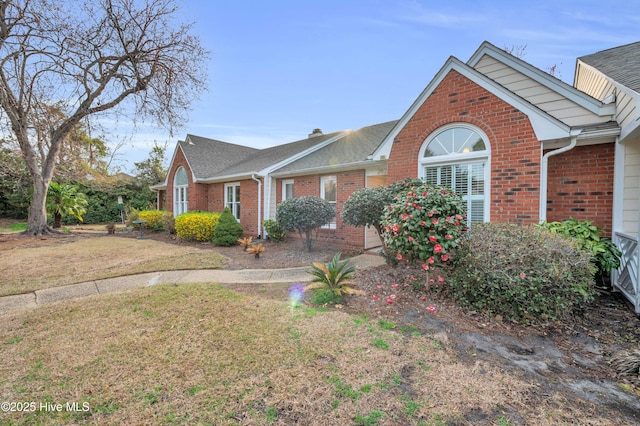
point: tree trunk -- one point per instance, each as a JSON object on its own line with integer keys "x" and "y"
{"x": 37, "y": 222}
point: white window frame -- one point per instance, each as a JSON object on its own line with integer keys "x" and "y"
{"x": 285, "y": 183}
{"x": 333, "y": 179}
{"x": 180, "y": 194}
{"x": 461, "y": 159}
{"x": 234, "y": 203}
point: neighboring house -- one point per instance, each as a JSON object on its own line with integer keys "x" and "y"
{"x": 518, "y": 144}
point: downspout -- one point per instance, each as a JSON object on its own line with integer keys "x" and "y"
{"x": 253, "y": 176}
{"x": 544, "y": 170}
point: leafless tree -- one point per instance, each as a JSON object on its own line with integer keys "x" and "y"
{"x": 90, "y": 59}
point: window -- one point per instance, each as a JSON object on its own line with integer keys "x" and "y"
{"x": 232, "y": 198}
{"x": 457, "y": 157}
{"x": 287, "y": 189}
{"x": 180, "y": 192}
{"x": 328, "y": 191}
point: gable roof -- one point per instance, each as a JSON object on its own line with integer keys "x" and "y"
{"x": 526, "y": 81}
{"x": 259, "y": 161}
{"x": 354, "y": 148}
{"x": 621, "y": 64}
{"x": 208, "y": 156}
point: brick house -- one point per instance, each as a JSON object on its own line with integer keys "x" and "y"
{"x": 518, "y": 144}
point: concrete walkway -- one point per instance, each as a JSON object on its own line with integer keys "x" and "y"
{"x": 221, "y": 276}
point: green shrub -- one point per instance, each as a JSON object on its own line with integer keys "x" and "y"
{"x": 274, "y": 230}
{"x": 424, "y": 223}
{"x": 196, "y": 226}
{"x": 304, "y": 215}
{"x": 523, "y": 273}
{"x": 606, "y": 255}
{"x": 335, "y": 277}
{"x": 156, "y": 219}
{"x": 366, "y": 207}
{"x": 228, "y": 230}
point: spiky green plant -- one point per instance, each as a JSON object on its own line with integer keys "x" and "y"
{"x": 335, "y": 276}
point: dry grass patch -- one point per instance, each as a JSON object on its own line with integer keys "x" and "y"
{"x": 200, "y": 354}
{"x": 69, "y": 259}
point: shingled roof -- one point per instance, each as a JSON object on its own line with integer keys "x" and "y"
{"x": 355, "y": 147}
{"x": 621, "y": 64}
{"x": 207, "y": 157}
{"x": 264, "y": 158}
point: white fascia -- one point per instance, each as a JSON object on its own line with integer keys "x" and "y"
{"x": 544, "y": 125}
{"x": 589, "y": 103}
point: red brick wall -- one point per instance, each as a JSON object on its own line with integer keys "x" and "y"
{"x": 580, "y": 185}
{"x": 515, "y": 151}
{"x": 347, "y": 183}
{"x": 197, "y": 192}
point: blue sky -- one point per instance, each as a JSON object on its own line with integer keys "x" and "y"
{"x": 280, "y": 68}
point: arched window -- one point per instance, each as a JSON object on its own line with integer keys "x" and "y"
{"x": 180, "y": 192}
{"x": 457, "y": 156}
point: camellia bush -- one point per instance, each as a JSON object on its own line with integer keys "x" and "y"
{"x": 522, "y": 273}
{"x": 304, "y": 215}
{"x": 424, "y": 223}
{"x": 196, "y": 226}
{"x": 366, "y": 207}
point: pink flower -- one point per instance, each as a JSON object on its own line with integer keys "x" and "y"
{"x": 448, "y": 237}
{"x": 395, "y": 228}
{"x": 432, "y": 281}
{"x": 392, "y": 297}
{"x": 378, "y": 286}
{"x": 425, "y": 267}
{"x": 432, "y": 238}
{"x": 410, "y": 239}
{"x": 431, "y": 308}
{"x": 437, "y": 248}
{"x": 459, "y": 217}
{"x": 431, "y": 260}
{"x": 423, "y": 223}
{"x": 412, "y": 278}
{"x": 440, "y": 279}
{"x": 394, "y": 285}
{"x": 375, "y": 297}
{"x": 444, "y": 257}
{"x": 424, "y": 298}
{"x": 405, "y": 216}
{"x": 399, "y": 256}
{"x": 435, "y": 221}
{"x": 523, "y": 275}
{"x": 424, "y": 194}
{"x": 389, "y": 301}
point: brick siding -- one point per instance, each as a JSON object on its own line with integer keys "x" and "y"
{"x": 515, "y": 151}
{"x": 580, "y": 185}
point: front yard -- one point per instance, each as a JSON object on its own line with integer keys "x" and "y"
{"x": 242, "y": 354}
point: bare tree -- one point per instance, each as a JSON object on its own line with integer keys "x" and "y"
{"x": 90, "y": 59}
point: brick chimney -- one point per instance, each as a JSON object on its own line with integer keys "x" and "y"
{"x": 315, "y": 132}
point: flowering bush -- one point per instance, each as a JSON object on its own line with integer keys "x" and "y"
{"x": 366, "y": 207}
{"x": 523, "y": 273}
{"x": 424, "y": 224}
{"x": 196, "y": 226}
{"x": 156, "y": 219}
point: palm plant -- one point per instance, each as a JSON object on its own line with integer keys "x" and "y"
{"x": 335, "y": 277}
{"x": 255, "y": 249}
{"x": 64, "y": 199}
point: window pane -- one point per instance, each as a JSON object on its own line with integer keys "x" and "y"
{"x": 477, "y": 179}
{"x": 237, "y": 194}
{"x": 288, "y": 191}
{"x": 181, "y": 177}
{"x": 462, "y": 179}
{"x": 330, "y": 190}
{"x": 476, "y": 211}
{"x": 458, "y": 140}
{"x": 446, "y": 176}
